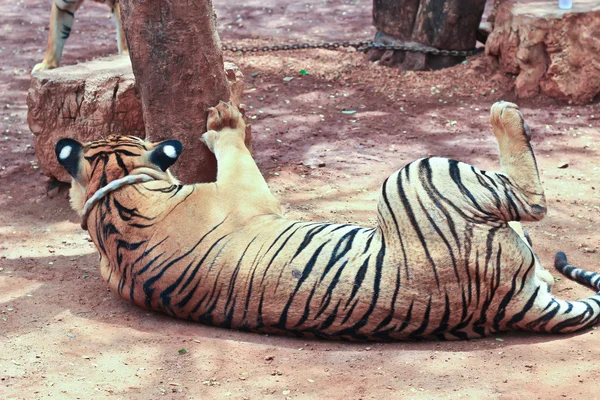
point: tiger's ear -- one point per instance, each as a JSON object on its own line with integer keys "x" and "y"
{"x": 166, "y": 153}
{"x": 68, "y": 153}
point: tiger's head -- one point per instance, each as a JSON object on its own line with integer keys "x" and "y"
{"x": 95, "y": 164}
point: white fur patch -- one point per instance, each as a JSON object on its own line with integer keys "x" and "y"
{"x": 170, "y": 151}
{"x": 65, "y": 152}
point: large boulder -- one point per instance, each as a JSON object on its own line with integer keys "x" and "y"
{"x": 85, "y": 101}
{"x": 552, "y": 51}
{"x": 88, "y": 101}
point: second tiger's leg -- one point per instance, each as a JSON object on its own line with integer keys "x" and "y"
{"x": 62, "y": 15}
{"x": 121, "y": 40}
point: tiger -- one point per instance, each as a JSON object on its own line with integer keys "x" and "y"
{"x": 447, "y": 259}
{"x": 62, "y": 15}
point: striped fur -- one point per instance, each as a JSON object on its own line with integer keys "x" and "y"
{"x": 62, "y": 16}
{"x": 443, "y": 262}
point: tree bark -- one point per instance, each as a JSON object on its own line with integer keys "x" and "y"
{"x": 442, "y": 24}
{"x": 395, "y": 18}
{"x": 178, "y": 66}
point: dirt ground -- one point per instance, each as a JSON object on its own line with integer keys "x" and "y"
{"x": 63, "y": 335}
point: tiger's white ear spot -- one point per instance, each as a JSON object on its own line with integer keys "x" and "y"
{"x": 65, "y": 152}
{"x": 170, "y": 151}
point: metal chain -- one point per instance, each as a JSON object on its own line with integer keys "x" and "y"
{"x": 363, "y": 46}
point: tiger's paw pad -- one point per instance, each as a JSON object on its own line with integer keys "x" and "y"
{"x": 507, "y": 118}
{"x": 41, "y": 67}
{"x": 224, "y": 115}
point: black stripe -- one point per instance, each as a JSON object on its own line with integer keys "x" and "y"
{"x": 574, "y": 321}
{"x": 518, "y": 317}
{"x": 149, "y": 290}
{"x": 505, "y": 300}
{"x": 408, "y": 211}
{"x": 283, "y": 245}
{"x": 544, "y": 319}
{"x": 529, "y": 270}
{"x": 72, "y": 14}
{"x": 331, "y": 318}
{"x": 251, "y": 282}
{"x": 358, "y": 280}
{"x": 443, "y": 326}
{"x": 308, "y": 237}
{"x": 327, "y": 298}
{"x": 336, "y": 255}
{"x": 399, "y": 235}
{"x": 305, "y": 273}
{"x": 467, "y": 258}
{"x": 66, "y": 32}
{"x": 455, "y": 175}
{"x": 353, "y": 330}
{"x": 231, "y": 290}
{"x": 426, "y": 178}
{"x": 166, "y": 294}
{"x": 441, "y": 235}
{"x": 190, "y": 295}
{"x": 350, "y": 312}
{"x": 417, "y": 333}
{"x": 485, "y": 185}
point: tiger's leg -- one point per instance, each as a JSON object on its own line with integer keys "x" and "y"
{"x": 236, "y": 170}
{"x": 61, "y": 22}
{"x": 517, "y": 158}
{"x": 121, "y": 40}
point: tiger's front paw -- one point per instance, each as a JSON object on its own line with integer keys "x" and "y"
{"x": 225, "y": 124}
{"x": 42, "y": 67}
{"x": 224, "y": 115}
{"x": 506, "y": 118}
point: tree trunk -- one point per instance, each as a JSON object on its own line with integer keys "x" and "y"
{"x": 178, "y": 66}
{"x": 442, "y": 24}
{"x": 395, "y": 17}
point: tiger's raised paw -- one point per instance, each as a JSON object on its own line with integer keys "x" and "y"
{"x": 506, "y": 119}
{"x": 224, "y": 121}
{"x": 224, "y": 115}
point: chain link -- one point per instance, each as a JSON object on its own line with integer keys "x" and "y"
{"x": 362, "y": 45}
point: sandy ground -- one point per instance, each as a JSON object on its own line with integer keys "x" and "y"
{"x": 63, "y": 335}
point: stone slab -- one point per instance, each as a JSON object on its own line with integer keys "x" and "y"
{"x": 552, "y": 51}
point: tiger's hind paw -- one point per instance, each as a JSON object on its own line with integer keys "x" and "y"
{"x": 506, "y": 118}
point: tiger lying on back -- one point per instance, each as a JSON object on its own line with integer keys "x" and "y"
{"x": 62, "y": 15}
{"x": 442, "y": 262}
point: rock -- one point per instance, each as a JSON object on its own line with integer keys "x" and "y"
{"x": 563, "y": 164}
{"x": 91, "y": 100}
{"x": 85, "y": 102}
{"x": 553, "y": 51}
{"x": 314, "y": 163}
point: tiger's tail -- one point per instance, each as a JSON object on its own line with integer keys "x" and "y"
{"x": 586, "y": 278}
{"x": 562, "y": 316}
